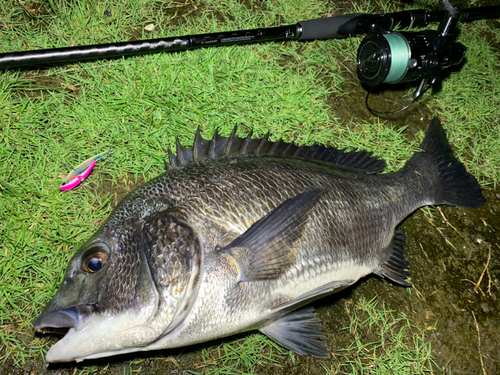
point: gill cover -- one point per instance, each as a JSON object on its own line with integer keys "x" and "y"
{"x": 175, "y": 253}
{"x": 125, "y": 289}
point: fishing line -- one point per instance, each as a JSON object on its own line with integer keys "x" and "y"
{"x": 350, "y": 71}
{"x": 400, "y": 51}
{"x": 381, "y": 113}
{"x": 378, "y": 113}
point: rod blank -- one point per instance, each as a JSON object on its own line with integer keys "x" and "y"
{"x": 111, "y": 50}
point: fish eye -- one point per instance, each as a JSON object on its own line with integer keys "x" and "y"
{"x": 95, "y": 259}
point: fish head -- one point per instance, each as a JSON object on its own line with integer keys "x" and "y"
{"x": 124, "y": 289}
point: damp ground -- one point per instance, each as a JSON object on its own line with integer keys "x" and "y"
{"x": 455, "y": 271}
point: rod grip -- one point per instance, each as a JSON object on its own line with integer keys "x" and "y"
{"x": 336, "y": 27}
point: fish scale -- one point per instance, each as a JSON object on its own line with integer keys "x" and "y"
{"x": 242, "y": 234}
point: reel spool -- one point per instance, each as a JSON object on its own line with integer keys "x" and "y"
{"x": 405, "y": 57}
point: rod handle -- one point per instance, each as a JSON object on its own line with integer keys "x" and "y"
{"x": 336, "y": 27}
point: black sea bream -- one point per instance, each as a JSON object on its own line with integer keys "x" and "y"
{"x": 239, "y": 235}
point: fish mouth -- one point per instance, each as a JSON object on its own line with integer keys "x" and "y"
{"x": 60, "y": 321}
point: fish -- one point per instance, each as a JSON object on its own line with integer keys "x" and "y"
{"x": 241, "y": 234}
{"x": 81, "y": 172}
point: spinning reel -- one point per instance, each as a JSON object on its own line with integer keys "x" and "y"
{"x": 397, "y": 57}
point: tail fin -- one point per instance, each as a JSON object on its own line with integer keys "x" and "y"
{"x": 457, "y": 186}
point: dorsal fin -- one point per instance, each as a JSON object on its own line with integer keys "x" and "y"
{"x": 355, "y": 161}
{"x": 200, "y": 146}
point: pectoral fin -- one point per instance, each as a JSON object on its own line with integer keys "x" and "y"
{"x": 266, "y": 250}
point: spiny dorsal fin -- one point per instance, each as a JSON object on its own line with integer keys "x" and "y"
{"x": 183, "y": 153}
{"x": 355, "y": 161}
{"x": 200, "y": 146}
{"x": 232, "y": 143}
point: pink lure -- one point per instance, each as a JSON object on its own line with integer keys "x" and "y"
{"x": 81, "y": 172}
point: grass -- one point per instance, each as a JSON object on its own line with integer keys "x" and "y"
{"x": 52, "y": 119}
{"x": 244, "y": 356}
{"x": 383, "y": 342}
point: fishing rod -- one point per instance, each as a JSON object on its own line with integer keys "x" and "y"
{"x": 383, "y": 57}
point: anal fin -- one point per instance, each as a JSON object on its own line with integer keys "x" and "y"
{"x": 298, "y": 331}
{"x": 395, "y": 266}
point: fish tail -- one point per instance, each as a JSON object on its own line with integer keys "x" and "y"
{"x": 452, "y": 184}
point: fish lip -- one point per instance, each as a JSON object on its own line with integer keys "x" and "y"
{"x": 71, "y": 317}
